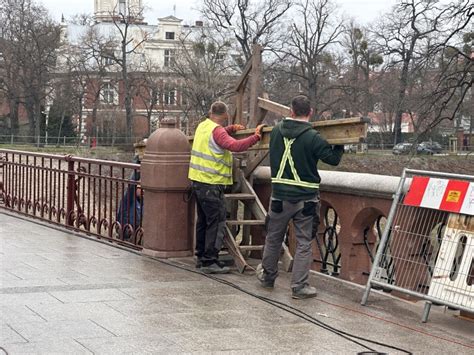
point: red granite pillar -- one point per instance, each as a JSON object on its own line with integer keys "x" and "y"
{"x": 168, "y": 216}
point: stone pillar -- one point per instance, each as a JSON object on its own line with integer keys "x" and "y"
{"x": 167, "y": 222}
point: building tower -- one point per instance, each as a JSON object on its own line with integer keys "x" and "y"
{"x": 108, "y": 10}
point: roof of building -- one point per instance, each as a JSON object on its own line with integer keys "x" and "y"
{"x": 170, "y": 19}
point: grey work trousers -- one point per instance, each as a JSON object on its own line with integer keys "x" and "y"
{"x": 305, "y": 216}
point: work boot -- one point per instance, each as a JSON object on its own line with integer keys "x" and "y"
{"x": 306, "y": 291}
{"x": 198, "y": 264}
{"x": 260, "y": 272}
{"x": 215, "y": 269}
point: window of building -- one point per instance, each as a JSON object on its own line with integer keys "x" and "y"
{"x": 169, "y": 97}
{"x": 122, "y": 7}
{"x": 108, "y": 60}
{"x": 184, "y": 98}
{"x": 169, "y": 35}
{"x": 169, "y": 57}
{"x": 108, "y": 93}
{"x": 220, "y": 57}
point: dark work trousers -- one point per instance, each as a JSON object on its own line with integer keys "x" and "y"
{"x": 305, "y": 216}
{"x": 210, "y": 226}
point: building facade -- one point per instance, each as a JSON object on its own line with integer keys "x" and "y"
{"x": 96, "y": 49}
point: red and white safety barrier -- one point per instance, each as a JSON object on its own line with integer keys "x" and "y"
{"x": 455, "y": 196}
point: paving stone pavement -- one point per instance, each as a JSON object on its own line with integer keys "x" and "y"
{"x": 63, "y": 294}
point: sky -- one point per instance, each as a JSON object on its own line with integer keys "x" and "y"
{"x": 363, "y": 11}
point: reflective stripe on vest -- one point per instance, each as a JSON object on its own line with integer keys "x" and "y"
{"x": 210, "y": 157}
{"x": 296, "y": 181}
{"x": 209, "y": 163}
{"x": 208, "y": 170}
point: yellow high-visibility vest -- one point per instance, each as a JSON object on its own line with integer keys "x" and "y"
{"x": 210, "y": 163}
{"x": 287, "y": 158}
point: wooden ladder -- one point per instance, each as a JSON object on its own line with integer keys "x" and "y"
{"x": 254, "y": 215}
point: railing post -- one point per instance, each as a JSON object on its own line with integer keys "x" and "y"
{"x": 71, "y": 190}
{"x": 2, "y": 176}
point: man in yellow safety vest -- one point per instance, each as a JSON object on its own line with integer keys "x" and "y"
{"x": 210, "y": 171}
{"x": 295, "y": 149}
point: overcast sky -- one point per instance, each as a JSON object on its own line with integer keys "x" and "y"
{"x": 362, "y": 10}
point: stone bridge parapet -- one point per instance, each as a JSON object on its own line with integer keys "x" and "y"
{"x": 354, "y": 208}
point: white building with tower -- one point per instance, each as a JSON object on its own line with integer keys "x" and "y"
{"x": 152, "y": 50}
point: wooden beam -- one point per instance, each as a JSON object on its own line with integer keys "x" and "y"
{"x": 343, "y": 131}
{"x": 239, "y": 106}
{"x": 254, "y": 162}
{"x": 234, "y": 250}
{"x": 255, "y": 86}
{"x": 243, "y": 77}
{"x": 274, "y": 107}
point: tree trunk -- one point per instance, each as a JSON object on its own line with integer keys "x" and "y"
{"x": 128, "y": 113}
{"x": 38, "y": 121}
{"x": 13, "y": 115}
{"x": 30, "y": 112}
{"x": 81, "y": 98}
{"x": 312, "y": 96}
{"x": 397, "y": 131}
{"x": 63, "y": 113}
{"x": 94, "y": 114}
{"x": 126, "y": 87}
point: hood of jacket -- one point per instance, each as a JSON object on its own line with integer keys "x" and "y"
{"x": 290, "y": 128}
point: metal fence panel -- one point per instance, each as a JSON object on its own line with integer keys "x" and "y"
{"x": 428, "y": 242}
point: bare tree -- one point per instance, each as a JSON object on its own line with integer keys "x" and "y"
{"x": 92, "y": 61}
{"x": 363, "y": 60}
{"x": 147, "y": 88}
{"x": 83, "y": 19}
{"x": 249, "y": 21}
{"x": 309, "y": 48}
{"x": 406, "y": 37}
{"x": 64, "y": 104}
{"x": 29, "y": 41}
{"x": 205, "y": 70}
{"x": 451, "y": 71}
{"x": 131, "y": 38}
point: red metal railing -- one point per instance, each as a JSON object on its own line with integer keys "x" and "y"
{"x": 98, "y": 197}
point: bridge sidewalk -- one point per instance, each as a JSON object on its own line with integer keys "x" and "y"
{"x": 60, "y": 293}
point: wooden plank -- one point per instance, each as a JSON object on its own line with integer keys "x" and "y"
{"x": 274, "y": 107}
{"x": 343, "y": 131}
{"x": 239, "y": 196}
{"x": 257, "y": 208}
{"x": 286, "y": 259}
{"x": 245, "y": 222}
{"x": 260, "y": 212}
{"x": 253, "y": 163}
{"x": 239, "y": 106}
{"x": 251, "y": 247}
{"x": 234, "y": 251}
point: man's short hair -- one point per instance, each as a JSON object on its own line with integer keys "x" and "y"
{"x": 301, "y": 106}
{"x": 218, "y": 108}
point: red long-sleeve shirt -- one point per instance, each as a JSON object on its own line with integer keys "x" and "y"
{"x": 223, "y": 139}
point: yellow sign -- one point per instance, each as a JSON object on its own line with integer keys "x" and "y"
{"x": 453, "y": 196}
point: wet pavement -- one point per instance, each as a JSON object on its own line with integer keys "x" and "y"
{"x": 60, "y": 293}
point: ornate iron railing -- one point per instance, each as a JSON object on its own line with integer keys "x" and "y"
{"x": 98, "y": 197}
{"x": 328, "y": 244}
